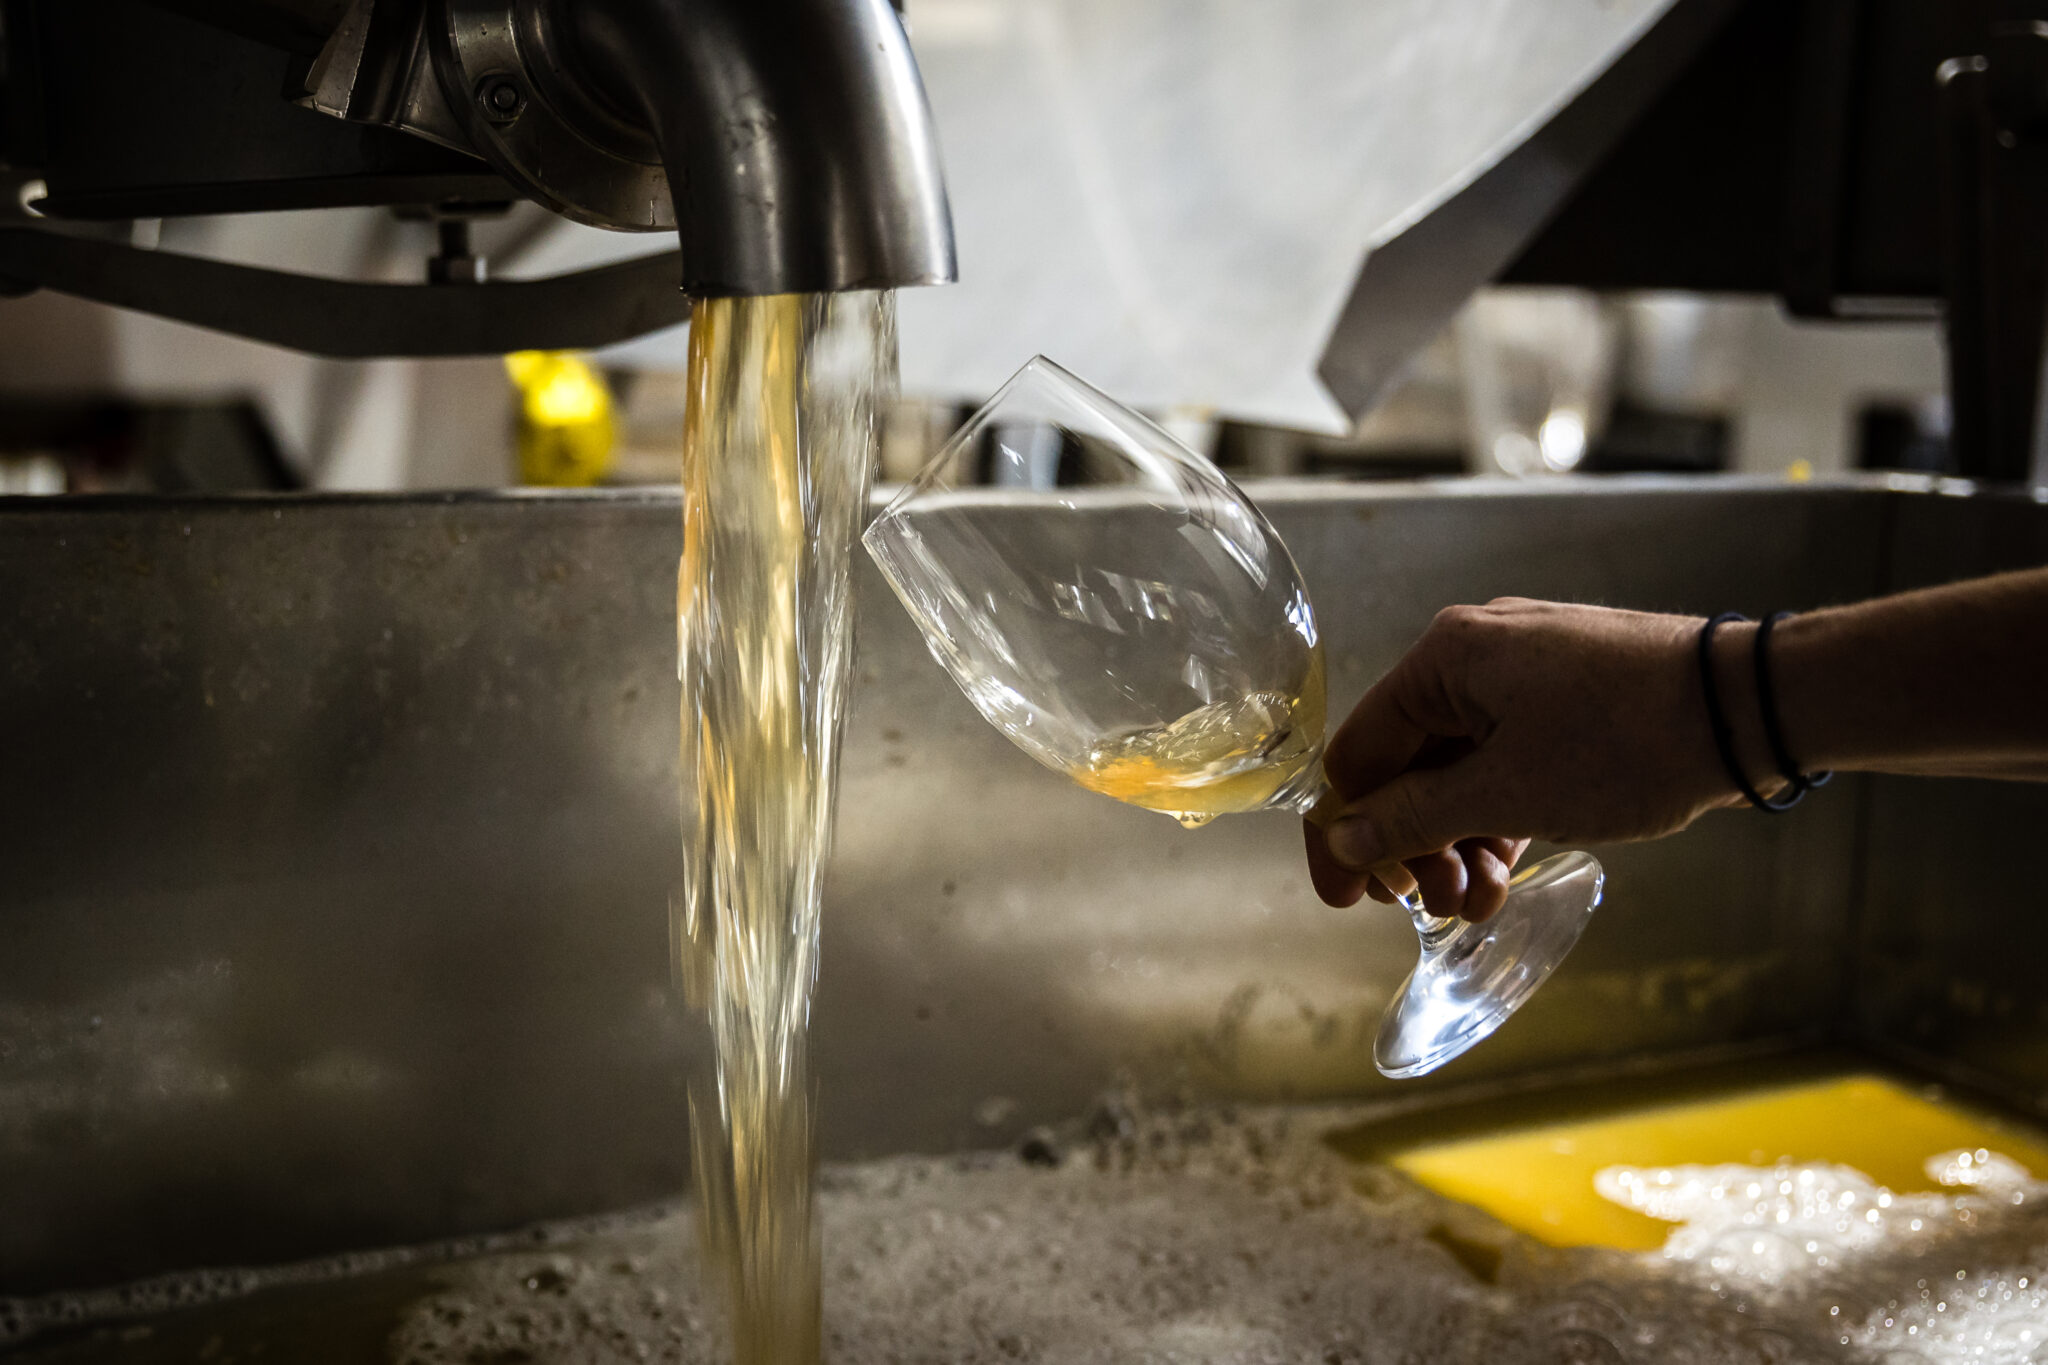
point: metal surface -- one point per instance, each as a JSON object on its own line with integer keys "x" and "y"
{"x": 376, "y": 68}
{"x": 1994, "y": 106}
{"x": 1414, "y": 282}
{"x": 799, "y": 127}
{"x": 522, "y": 101}
{"x": 1796, "y": 156}
{"x": 350, "y": 318}
{"x": 131, "y": 111}
{"x": 294, "y": 25}
{"x": 339, "y": 837}
{"x": 1954, "y": 933}
{"x": 1818, "y": 157}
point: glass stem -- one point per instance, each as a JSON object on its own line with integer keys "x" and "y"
{"x": 1433, "y": 930}
{"x": 1310, "y": 797}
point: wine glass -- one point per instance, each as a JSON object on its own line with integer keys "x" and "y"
{"x": 1117, "y": 607}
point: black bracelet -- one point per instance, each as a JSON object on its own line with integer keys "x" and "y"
{"x": 1717, "y": 720}
{"x": 1767, "y": 704}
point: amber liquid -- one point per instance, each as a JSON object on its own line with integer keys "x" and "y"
{"x": 1221, "y": 759}
{"x": 778, "y": 444}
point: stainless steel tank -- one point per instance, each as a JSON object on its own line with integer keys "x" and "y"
{"x": 338, "y": 836}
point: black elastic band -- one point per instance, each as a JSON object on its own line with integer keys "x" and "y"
{"x": 1717, "y": 720}
{"x": 1767, "y": 705}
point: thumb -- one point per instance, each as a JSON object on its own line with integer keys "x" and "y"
{"x": 1419, "y": 812}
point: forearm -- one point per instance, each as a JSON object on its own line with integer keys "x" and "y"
{"x": 1945, "y": 681}
{"x": 1582, "y": 724}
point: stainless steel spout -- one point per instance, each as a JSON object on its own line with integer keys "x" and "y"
{"x": 787, "y": 142}
{"x": 798, "y": 144}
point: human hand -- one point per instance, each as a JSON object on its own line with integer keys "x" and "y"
{"x": 1507, "y": 722}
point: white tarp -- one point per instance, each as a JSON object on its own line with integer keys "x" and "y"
{"x": 1171, "y": 197}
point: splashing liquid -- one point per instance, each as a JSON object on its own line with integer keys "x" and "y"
{"x": 1221, "y": 759}
{"x": 778, "y": 444}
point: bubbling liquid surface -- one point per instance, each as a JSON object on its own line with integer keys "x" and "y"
{"x": 1188, "y": 1235}
{"x": 1952, "y": 1275}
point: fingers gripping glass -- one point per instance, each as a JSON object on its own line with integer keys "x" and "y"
{"x": 1152, "y": 640}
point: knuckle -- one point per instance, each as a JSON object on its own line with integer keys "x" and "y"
{"x": 1452, "y": 630}
{"x": 1458, "y": 618}
{"x": 1489, "y": 870}
{"x": 1464, "y": 628}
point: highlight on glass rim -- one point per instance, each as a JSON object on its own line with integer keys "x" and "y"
{"x": 600, "y": 603}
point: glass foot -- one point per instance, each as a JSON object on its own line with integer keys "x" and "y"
{"x": 1469, "y": 981}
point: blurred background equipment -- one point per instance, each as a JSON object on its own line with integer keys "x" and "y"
{"x": 370, "y": 153}
{"x": 1879, "y": 161}
{"x": 450, "y": 109}
{"x": 1539, "y": 371}
{"x": 1171, "y": 199}
{"x": 566, "y": 428}
{"x": 87, "y": 445}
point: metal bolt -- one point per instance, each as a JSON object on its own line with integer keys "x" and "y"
{"x": 455, "y": 263}
{"x": 502, "y": 98}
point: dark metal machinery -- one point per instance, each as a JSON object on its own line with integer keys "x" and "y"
{"x": 796, "y": 131}
{"x": 1860, "y": 159}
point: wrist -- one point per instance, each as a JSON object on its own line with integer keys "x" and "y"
{"x": 1733, "y": 660}
{"x": 1817, "y": 728}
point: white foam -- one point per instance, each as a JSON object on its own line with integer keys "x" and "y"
{"x": 1187, "y": 1238}
{"x": 1951, "y": 1275}
{"x": 1201, "y": 1236}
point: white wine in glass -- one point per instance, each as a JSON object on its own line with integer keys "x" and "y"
{"x": 1229, "y": 756}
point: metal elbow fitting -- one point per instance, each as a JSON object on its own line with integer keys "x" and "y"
{"x": 787, "y": 142}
